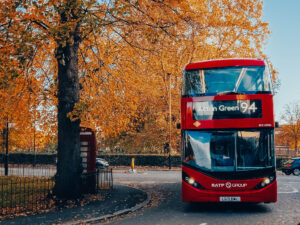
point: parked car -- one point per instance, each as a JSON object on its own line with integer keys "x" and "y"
{"x": 101, "y": 163}
{"x": 292, "y": 166}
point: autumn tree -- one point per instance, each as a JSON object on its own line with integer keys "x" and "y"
{"x": 208, "y": 30}
{"x": 291, "y": 123}
{"x": 21, "y": 93}
{"x": 118, "y": 53}
{"x": 60, "y": 27}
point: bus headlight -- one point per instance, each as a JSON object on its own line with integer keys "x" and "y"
{"x": 265, "y": 182}
{"x": 191, "y": 181}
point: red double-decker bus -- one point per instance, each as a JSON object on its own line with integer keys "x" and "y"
{"x": 228, "y": 132}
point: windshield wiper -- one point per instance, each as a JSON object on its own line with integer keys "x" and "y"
{"x": 230, "y": 93}
{"x": 241, "y": 76}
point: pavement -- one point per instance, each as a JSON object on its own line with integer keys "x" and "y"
{"x": 118, "y": 201}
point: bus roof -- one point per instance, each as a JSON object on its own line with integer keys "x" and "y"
{"x": 224, "y": 63}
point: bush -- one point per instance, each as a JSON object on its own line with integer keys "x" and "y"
{"x": 25, "y": 158}
{"x": 142, "y": 160}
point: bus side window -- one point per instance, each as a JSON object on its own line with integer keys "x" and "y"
{"x": 189, "y": 155}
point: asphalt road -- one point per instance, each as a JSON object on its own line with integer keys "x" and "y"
{"x": 167, "y": 209}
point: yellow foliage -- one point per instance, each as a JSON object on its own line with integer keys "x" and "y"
{"x": 127, "y": 50}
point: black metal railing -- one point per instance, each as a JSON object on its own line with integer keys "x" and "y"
{"x": 29, "y": 170}
{"x": 30, "y": 191}
{"x": 105, "y": 179}
{"x": 24, "y": 194}
{"x": 102, "y": 179}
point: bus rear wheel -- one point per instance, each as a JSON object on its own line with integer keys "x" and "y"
{"x": 296, "y": 172}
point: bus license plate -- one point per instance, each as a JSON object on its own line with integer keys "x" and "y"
{"x": 230, "y": 199}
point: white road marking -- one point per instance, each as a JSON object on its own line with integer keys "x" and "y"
{"x": 289, "y": 184}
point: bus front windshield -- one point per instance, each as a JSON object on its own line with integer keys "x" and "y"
{"x": 238, "y": 150}
{"x": 250, "y": 79}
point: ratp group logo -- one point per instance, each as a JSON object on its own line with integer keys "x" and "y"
{"x": 228, "y": 185}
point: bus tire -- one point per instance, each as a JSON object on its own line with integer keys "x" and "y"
{"x": 296, "y": 171}
{"x": 288, "y": 172}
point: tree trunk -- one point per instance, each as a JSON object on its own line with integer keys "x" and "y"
{"x": 67, "y": 179}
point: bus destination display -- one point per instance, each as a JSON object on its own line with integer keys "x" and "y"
{"x": 229, "y": 109}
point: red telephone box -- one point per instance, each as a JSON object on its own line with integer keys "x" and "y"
{"x": 88, "y": 148}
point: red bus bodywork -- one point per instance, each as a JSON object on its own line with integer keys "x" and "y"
{"x": 213, "y": 194}
{"x": 224, "y": 63}
{"x": 212, "y": 189}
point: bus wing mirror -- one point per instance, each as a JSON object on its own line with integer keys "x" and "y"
{"x": 178, "y": 125}
{"x": 276, "y": 124}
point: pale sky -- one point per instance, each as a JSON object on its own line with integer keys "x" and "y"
{"x": 283, "y": 48}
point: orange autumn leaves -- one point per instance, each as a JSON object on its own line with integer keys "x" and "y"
{"x": 127, "y": 49}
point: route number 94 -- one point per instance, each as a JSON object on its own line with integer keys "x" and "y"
{"x": 245, "y": 107}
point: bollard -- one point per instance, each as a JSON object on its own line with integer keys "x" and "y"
{"x": 132, "y": 166}
{"x": 132, "y": 163}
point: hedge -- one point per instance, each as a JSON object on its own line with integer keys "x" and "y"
{"x": 23, "y": 158}
{"x": 142, "y": 160}
{"x": 113, "y": 160}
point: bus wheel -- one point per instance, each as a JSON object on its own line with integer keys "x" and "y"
{"x": 288, "y": 173}
{"x": 296, "y": 172}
